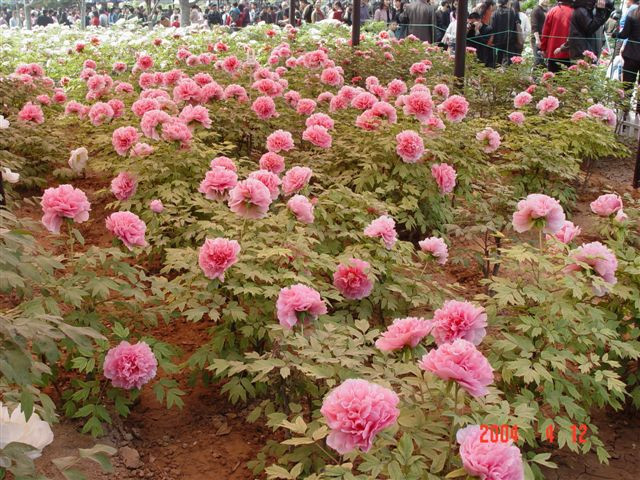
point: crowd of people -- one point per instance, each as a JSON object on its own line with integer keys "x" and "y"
{"x": 497, "y": 30}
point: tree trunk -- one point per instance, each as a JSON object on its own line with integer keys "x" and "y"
{"x": 185, "y": 13}
{"x": 27, "y": 16}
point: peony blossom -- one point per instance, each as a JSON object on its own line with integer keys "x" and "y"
{"x": 224, "y": 162}
{"x": 9, "y": 176}
{"x": 516, "y": 117}
{"x": 462, "y": 362}
{"x": 419, "y": 104}
{"x": 409, "y": 146}
{"x": 606, "y": 205}
{"x": 128, "y": 228}
{"x": 352, "y": 280}
{"x": 273, "y": 162}
{"x": 539, "y": 211}
{"x": 489, "y": 138}
{"x": 123, "y": 139}
{"x": 456, "y": 319}
{"x": 130, "y": 366}
{"x": 78, "y": 159}
{"x": 63, "y": 202}
{"x": 356, "y": 411}
{"x": 295, "y": 179}
{"x": 522, "y": 99}
{"x": 567, "y": 232}
{"x": 279, "y": 140}
{"x": 383, "y": 227}
{"x": 435, "y": 247}
{"x": 455, "y": 108}
{"x": 302, "y": 208}
{"x": 601, "y": 260}
{"x": 124, "y": 186}
{"x": 403, "y": 332}
{"x": 270, "y": 180}
{"x": 299, "y": 303}
{"x": 547, "y": 105}
{"x": 156, "y": 206}
{"x": 140, "y": 150}
{"x": 445, "y": 176}
{"x": 31, "y": 113}
{"x": 317, "y": 135}
{"x": 489, "y": 460}
{"x": 14, "y": 428}
{"x": 250, "y": 199}
{"x": 216, "y": 256}
{"x": 264, "y": 108}
{"x": 100, "y": 113}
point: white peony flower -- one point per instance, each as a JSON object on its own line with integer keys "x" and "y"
{"x": 78, "y": 159}
{"x": 4, "y": 123}
{"x": 15, "y": 428}
{"x": 9, "y": 176}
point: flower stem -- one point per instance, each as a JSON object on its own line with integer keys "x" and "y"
{"x": 453, "y": 423}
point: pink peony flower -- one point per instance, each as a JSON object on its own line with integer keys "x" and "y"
{"x": 403, "y": 332}
{"x": 100, "y": 113}
{"x": 331, "y": 77}
{"x": 547, "y": 105}
{"x": 123, "y": 139}
{"x": 383, "y": 227}
{"x": 140, "y": 150}
{"x": 187, "y": 91}
{"x": 600, "y": 112}
{"x": 44, "y": 99}
{"x": 489, "y": 138}
{"x": 31, "y": 113}
{"x": 130, "y": 366}
{"x": 217, "y": 182}
{"x": 489, "y": 460}
{"x": 63, "y": 202}
{"x": 356, "y": 411}
{"x": 250, "y": 199}
{"x": 124, "y": 186}
{"x": 195, "y": 114}
{"x": 156, "y": 206}
{"x": 295, "y": 179}
{"x": 419, "y": 104}
{"x": 144, "y": 105}
{"x": 145, "y": 62}
{"x": 272, "y": 162}
{"x": 302, "y": 208}
{"x": 217, "y": 256}
{"x": 264, "y": 108}
{"x": 299, "y": 303}
{"x": 270, "y": 180}
{"x": 279, "y": 140}
{"x": 175, "y": 130}
{"x": 317, "y": 135}
{"x": 462, "y": 362}
{"x": 568, "y": 232}
{"x": 579, "y": 115}
{"x": 435, "y": 247}
{"x": 292, "y": 98}
{"x": 441, "y": 90}
{"x": 522, "y": 99}
{"x": 602, "y": 261}
{"x": 409, "y": 146}
{"x": 305, "y": 106}
{"x": 445, "y": 176}
{"x": 396, "y": 87}
{"x": 127, "y": 227}
{"x": 351, "y": 279}
{"x": 117, "y": 106}
{"x": 455, "y": 108}
{"x": 517, "y": 118}
{"x": 606, "y": 205}
{"x": 236, "y": 91}
{"x": 363, "y": 100}
{"x": 224, "y": 162}
{"x": 457, "y": 319}
{"x": 540, "y": 211}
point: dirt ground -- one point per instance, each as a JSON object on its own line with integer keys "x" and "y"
{"x": 208, "y": 438}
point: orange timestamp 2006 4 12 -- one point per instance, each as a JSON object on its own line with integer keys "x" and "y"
{"x": 509, "y": 433}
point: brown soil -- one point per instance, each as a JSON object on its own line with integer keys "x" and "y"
{"x": 208, "y": 438}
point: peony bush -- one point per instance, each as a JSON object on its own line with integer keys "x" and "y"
{"x": 308, "y": 203}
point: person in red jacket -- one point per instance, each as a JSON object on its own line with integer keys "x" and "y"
{"x": 554, "y": 33}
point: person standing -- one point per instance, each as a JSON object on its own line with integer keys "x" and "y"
{"x": 554, "y": 33}
{"x": 382, "y": 14}
{"x": 400, "y": 19}
{"x": 317, "y": 15}
{"x": 538, "y": 14}
{"x": 631, "y": 50}
{"x": 584, "y": 25}
{"x": 421, "y": 19}
{"x": 504, "y": 23}
{"x": 443, "y": 19}
{"x": 307, "y": 9}
{"x": 364, "y": 11}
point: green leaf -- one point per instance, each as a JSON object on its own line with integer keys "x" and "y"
{"x": 460, "y": 472}
{"x": 26, "y": 401}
